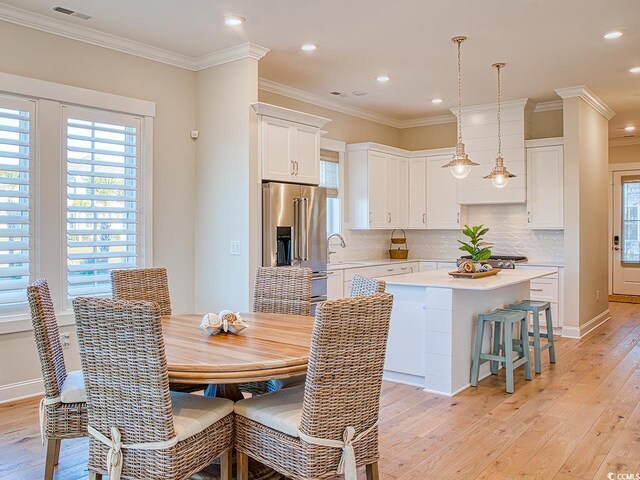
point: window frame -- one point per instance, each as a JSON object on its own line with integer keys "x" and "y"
{"x": 338, "y": 147}
{"x": 50, "y": 162}
{"x": 28, "y": 105}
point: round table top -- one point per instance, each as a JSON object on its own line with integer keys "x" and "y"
{"x": 273, "y": 346}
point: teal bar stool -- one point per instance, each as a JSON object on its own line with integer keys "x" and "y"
{"x": 502, "y": 351}
{"x": 535, "y": 307}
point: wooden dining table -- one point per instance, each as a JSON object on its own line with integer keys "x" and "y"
{"x": 273, "y": 346}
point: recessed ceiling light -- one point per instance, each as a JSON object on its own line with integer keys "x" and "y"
{"x": 359, "y": 93}
{"x": 309, "y": 47}
{"x": 612, "y": 35}
{"x": 630, "y": 128}
{"x": 635, "y": 70}
{"x": 436, "y": 100}
{"x": 383, "y": 78}
{"x": 234, "y": 20}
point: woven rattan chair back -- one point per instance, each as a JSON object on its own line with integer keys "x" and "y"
{"x": 363, "y": 286}
{"x": 346, "y": 360}
{"x": 125, "y": 369}
{"x": 284, "y": 290}
{"x": 45, "y": 329}
{"x": 142, "y": 284}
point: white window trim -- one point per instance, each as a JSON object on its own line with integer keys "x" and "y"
{"x": 50, "y": 254}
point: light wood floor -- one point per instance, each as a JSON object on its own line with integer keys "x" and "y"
{"x": 579, "y": 419}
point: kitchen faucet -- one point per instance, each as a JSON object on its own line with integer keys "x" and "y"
{"x": 329, "y": 251}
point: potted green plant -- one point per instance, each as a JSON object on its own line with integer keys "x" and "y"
{"x": 476, "y": 247}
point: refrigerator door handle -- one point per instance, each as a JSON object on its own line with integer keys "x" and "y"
{"x": 303, "y": 229}
{"x": 296, "y": 229}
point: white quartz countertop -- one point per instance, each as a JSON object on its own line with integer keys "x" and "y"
{"x": 441, "y": 279}
{"x": 387, "y": 261}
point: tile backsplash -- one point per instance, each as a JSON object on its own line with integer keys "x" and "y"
{"x": 508, "y": 232}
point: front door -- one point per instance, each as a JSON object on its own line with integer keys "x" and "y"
{"x": 626, "y": 232}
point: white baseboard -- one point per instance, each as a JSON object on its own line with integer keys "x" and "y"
{"x": 591, "y": 325}
{"x": 17, "y": 391}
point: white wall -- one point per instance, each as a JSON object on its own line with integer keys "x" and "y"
{"x": 585, "y": 213}
{"x": 36, "y": 54}
{"x": 227, "y": 185}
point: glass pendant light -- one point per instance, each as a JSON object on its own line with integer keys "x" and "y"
{"x": 499, "y": 176}
{"x": 460, "y": 164}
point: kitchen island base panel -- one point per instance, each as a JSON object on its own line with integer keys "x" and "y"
{"x": 433, "y": 342}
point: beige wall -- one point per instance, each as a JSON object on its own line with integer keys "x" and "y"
{"x": 429, "y": 136}
{"x": 346, "y": 128}
{"x": 36, "y": 54}
{"x": 624, "y": 154}
{"x": 547, "y": 124}
{"x": 586, "y": 233}
{"x": 227, "y": 185}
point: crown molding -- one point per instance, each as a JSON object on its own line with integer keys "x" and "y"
{"x": 276, "y": 111}
{"x": 548, "y": 106}
{"x": 36, "y": 21}
{"x": 80, "y": 33}
{"x": 622, "y": 141}
{"x": 583, "y": 92}
{"x": 231, "y": 54}
{"x": 320, "y": 101}
{"x": 523, "y": 103}
{"x": 426, "y": 121}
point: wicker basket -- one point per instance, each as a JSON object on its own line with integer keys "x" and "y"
{"x": 398, "y": 253}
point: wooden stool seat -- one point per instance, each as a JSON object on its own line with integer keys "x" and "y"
{"x": 504, "y": 320}
{"x": 535, "y": 307}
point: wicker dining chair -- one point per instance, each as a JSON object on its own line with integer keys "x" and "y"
{"x": 362, "y": 286}
{"x": 144, "y": 284}
{"x": 63, "y": 410}
{"x": 305, "y": 432}
{"x": 285, "y": 290}
{"x": 148, "y": 285}
{"x": 137, "y": 428}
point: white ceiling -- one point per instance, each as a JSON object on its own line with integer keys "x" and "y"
{"x": 546, "y": 44}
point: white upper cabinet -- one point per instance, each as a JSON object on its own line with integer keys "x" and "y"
{"x": 377, "y": 189}
{"x": 417, "y": 193}
{"x": 545, "y": 185}
{"x": 306, "y": 153}
{"x": 276, "y": 142}
{"x": 443, "y": 211}
{"x": 289, "y": 144}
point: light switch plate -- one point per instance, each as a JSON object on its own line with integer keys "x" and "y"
{"x": 235, "y": 248}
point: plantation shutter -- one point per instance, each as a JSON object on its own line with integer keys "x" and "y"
{"x": 16, "y": 153}
{"x": 103, "y": 198}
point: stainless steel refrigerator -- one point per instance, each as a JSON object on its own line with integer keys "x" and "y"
{"x": 294, "y": 231}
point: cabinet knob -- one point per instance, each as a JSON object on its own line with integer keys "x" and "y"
{"x": 293, "y": 167}
{"x": 370, "y": 217}
{"x": 388, "y": 217}
{"x": 458, "y": 219}
{"x": 424, "y": 217}
{"x": 528, "y": 217}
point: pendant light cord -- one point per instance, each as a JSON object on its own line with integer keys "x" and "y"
{"x": 459, "y": 42}
{"x": 499, "y": 119}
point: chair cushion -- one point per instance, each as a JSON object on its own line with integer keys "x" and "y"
{"x": 194, "y": 413}
{"x": 281, "y": 410}
{"x": 72, "y": 390}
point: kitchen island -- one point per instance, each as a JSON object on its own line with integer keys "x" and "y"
{"x": 433, "y": 324}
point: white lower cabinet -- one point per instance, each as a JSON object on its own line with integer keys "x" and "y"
{"x": 335, "y": 284}
{"x": 375, "y": 271}
{"x": 548, "y": 289}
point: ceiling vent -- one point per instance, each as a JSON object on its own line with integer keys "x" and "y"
{"x": 72, "y": 13}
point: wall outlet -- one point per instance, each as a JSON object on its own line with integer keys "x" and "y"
{"x": 65, "y": 340}
{"x": 235, "y": 248}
